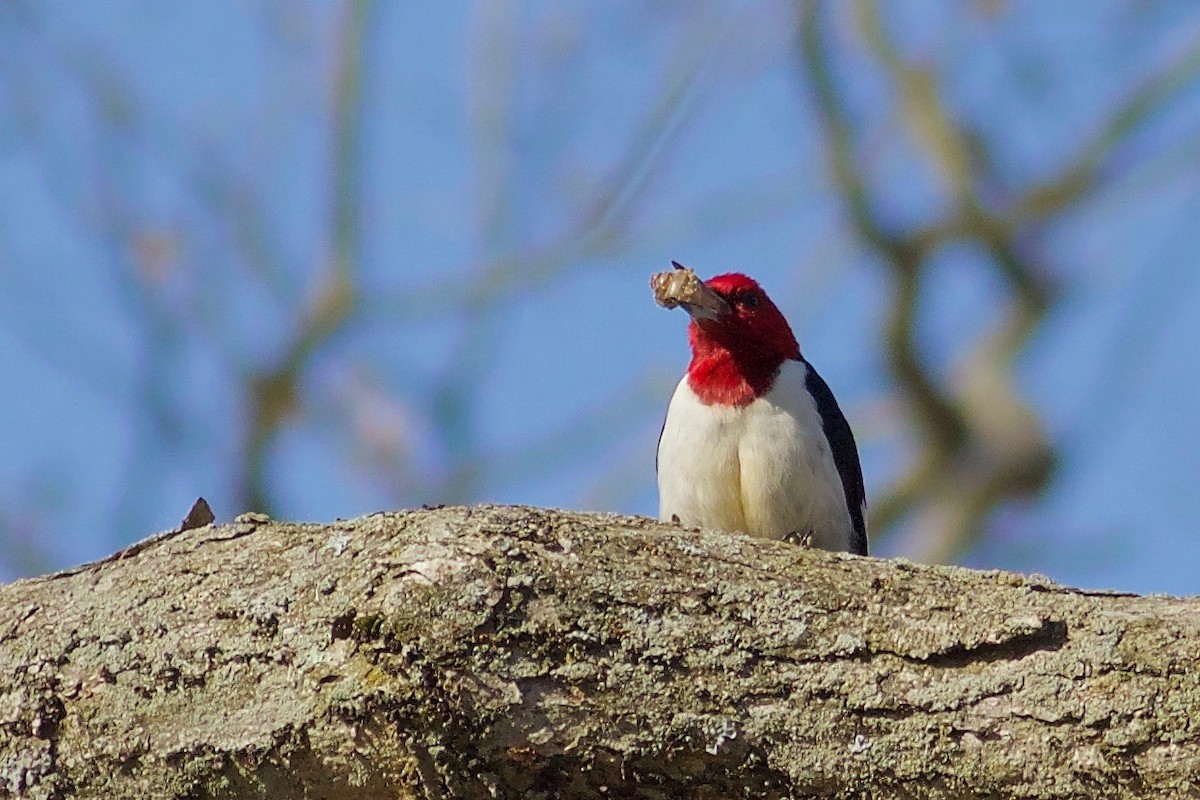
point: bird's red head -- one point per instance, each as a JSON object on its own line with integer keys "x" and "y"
{"x": 738, "y": 349}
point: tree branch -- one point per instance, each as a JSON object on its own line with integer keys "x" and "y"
{"x": 273, "y": 393}
{"x": 497, "y": 652}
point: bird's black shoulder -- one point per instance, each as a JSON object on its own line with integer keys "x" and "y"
{"x": 845, "y": 455}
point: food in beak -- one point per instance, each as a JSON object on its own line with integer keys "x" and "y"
{"x": 681, "y": 286}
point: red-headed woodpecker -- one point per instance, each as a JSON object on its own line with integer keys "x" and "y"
{"x": 754, "y": 440}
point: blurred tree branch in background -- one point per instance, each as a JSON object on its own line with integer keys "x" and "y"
{"x": 273, "y": 392}
{"x": 511, "y": 264}
{"x": 315, "y": 304}
{"x": 978, "y": 443}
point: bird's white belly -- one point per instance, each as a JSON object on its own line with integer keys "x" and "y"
{"x": 764, "y": 468}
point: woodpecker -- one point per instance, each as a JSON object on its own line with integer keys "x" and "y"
{"x": 754, "y": 440}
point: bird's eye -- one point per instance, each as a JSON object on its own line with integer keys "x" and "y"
{"x": 747, "y": 300}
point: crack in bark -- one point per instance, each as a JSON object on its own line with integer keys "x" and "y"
{"x": 1050, "y": 636}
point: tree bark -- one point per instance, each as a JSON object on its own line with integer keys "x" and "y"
{"x": 506, "y": 651}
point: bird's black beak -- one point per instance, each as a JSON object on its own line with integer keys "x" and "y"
{"x": 707, "y": 306}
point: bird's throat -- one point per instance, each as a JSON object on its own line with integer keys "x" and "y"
{"x": 721, "y": 377}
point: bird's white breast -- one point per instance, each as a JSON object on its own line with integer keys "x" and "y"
{"x": 764, "y": 468}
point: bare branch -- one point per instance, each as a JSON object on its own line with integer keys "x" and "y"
{"x": 273, "y": 394}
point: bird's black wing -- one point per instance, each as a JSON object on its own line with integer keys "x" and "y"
{"x": 662, "y": 428}
{"x": 845, "y": 456}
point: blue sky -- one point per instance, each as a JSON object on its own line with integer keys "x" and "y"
{"x": 131, "y": 126}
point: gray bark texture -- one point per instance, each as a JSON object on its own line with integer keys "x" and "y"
{"x": 519, "y": 652}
